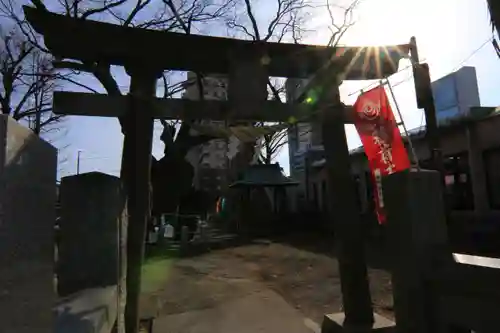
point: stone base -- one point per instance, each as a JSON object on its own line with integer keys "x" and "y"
{"x": 88, "y": 311}
{"x": 334, "y": 323}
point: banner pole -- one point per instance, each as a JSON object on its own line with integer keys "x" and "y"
{"x": 412, "y": 149}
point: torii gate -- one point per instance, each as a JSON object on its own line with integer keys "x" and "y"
{"x": 248, "y": 65}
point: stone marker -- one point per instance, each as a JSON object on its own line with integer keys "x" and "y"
{"x": 92, "y": 232}
{"x": 418, "y": 245}
{"x": 28, "y": 167}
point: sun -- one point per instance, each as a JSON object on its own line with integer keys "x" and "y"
{"x": 378, "y": 22}
{"x": 375, "y": 22}
{"x": 381, "y": 22}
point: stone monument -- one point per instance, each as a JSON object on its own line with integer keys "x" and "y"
{"x": 28, "y": 167}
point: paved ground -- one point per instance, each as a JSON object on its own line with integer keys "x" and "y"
{"x": 262, "y": 311}
{"x": 274, "y": 286}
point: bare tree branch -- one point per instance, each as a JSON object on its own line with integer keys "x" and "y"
{"x": 107, "y": 6}
{"x": 287, "y": 16}
{"x": 138, "y": 7}
{"x": 180, "y": 20}
{"x": 252, "y": 19}
{"x": 76, "y": 83}
{"x": 338, "y": 30}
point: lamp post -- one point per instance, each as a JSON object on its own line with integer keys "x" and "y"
{"x": 78, "y": 162}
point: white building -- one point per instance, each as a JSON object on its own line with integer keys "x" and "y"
{"x": 210, "y": 159}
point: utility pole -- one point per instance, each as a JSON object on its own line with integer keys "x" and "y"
{"x": 425, "y": 100}
{"x": 78, "y": 162}
{"x": 38, "y": 102}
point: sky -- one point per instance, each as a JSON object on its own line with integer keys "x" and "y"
{"x": 450, "y": 34}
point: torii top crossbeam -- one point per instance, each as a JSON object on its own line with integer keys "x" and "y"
{"x": 88, "y": 40}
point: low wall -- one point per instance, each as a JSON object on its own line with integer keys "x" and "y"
{"x": 468, "y": 295}
{"x": 474, "y": 233}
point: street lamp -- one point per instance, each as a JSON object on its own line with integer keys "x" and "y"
{"x": 78, "y": 162}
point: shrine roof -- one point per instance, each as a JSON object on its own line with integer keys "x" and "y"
{"x": 265, "y": 175}
{"x": 88, "y": 40}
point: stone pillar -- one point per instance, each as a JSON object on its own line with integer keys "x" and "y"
{"x": 477, "y": 170}
{"x": 418, "y": 244}
{"x": 28, "y": 167}
{"x": 92, "y": 213}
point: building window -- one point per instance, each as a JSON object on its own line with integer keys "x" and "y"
{"x": 492, "y": 169}
{"x": 458, "y": 182}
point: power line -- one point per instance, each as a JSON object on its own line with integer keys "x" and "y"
{"x": 472, "y": 54}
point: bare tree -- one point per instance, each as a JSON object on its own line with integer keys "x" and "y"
{"x": 166, "y": 15}
{"x": 28, "y": 80}
{"x": 287, "y": 24}
{"x": 27, "y": 83}
{"x": 344, "y": 14}
{"x": 272, "y": 144}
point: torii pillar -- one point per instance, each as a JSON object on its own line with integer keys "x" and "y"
{"x": 357, "y": 315}
{"x": 136, "y": 175}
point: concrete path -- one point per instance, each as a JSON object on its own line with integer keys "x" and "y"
{"x": 259, "y": 312}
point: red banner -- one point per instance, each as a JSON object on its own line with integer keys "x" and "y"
{"x": 381, "y": 139}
